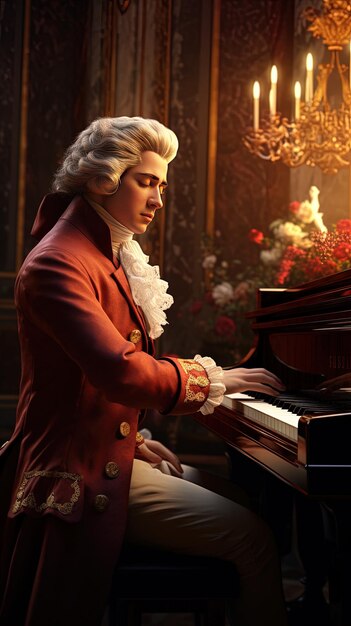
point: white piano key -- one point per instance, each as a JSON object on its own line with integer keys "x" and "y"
{"x": 272, "y": 417}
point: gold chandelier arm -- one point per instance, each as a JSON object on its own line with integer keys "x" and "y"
{"x": 344, "y": 79}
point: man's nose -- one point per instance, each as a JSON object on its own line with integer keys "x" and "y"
{"x": 156, "y": 198}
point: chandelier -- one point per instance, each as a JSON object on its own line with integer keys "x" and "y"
{"x": 318, "y": 135}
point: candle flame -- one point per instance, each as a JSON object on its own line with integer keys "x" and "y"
{"x": 256, "y": 90}
{"x": 309, "y": 62}
{"x": 274, "y": 74}
{"x": 297, "y": 90}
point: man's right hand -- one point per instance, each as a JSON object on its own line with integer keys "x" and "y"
{"x": 242, "y": 379}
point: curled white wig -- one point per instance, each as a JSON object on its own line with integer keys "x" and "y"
{"x": 107, "y": 148}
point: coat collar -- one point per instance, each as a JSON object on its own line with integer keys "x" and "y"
{"x": 75, "y": 209}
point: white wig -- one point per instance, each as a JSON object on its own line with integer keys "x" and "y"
{"x": 110, "y": 146}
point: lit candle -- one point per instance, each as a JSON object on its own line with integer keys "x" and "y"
{"x": 273, "y": 92}
{"x": 256, "y": 105}
{"x": 297, "y": 100}
{"x": 309, "y": 78}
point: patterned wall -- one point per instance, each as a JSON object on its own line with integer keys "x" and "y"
{"x": 42, "y": 58}
{"x": 189, "y": 64}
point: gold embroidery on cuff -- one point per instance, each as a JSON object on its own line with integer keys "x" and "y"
{"x": 189, "y": 364}
{"x": 199, "y": 381}
{"x": 30, "y": 501}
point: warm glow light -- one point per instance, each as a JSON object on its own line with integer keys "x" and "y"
{"x": 318, "y": 131}
{"x": 309, "y": 79}
{"x": 297, "y": 100}
{"x": 273, "y": 91}
{"x": 274, "y": 74}
{"x": 256, "y": 105}
{"x": 309, "y": 62}
{"x": 256, "y": 90}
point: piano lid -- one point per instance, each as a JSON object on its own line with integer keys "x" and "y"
{"x": 331, "y": 293}
{"x": 303, "y": 334}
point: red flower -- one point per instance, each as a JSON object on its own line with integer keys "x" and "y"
{"x": 342, "y": 251}
{"x": 343, "y": 225}
{"x": 224, "y": 326}
{"x": 292, "y": 252}
{"x": 209, "y": 298}
{"x": 294, "y": 206}
{"x": 196, "y": 307}
{"x": 256, "y": 236}
{"x": 316, "y": 268}
{"x": 284, "y": 271}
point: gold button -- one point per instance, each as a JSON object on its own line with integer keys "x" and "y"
{"x": 111, "y": 469}
{"x": 135, "y": 336}
{"x": 101, "y": 502}
{"x": 124, "y": 429}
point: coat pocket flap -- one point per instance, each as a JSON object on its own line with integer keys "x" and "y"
{"x": 49, "y": 491}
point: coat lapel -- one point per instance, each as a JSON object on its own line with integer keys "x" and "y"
{"x": 122, "y": 281}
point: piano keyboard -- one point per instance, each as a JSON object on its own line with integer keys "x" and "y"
{"x": 281, "y": 414}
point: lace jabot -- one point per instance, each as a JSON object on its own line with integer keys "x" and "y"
{"x": 148, "y": 289}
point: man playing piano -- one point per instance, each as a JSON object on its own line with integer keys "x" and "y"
{"x": 89, "y": 307}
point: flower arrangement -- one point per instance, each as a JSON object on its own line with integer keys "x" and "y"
{"x": 217, "y": 317}
{"x": 302, "y": 249}
{"x": 296, "y": 251}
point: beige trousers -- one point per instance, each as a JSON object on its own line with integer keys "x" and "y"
{"x": 182, "y": 515}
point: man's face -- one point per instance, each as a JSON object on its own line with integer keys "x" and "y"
{"x": 140, "y": 193}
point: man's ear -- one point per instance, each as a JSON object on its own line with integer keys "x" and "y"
{"x": 100, "y": 185}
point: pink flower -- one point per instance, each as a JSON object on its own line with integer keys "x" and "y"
{"x": 224, "y": 326}
{"x": 256, "y": 236}
{"x": 294, "y": 206}
{"x": 241, "y": 291}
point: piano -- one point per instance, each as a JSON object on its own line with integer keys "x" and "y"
{"x": 303, "y": 437}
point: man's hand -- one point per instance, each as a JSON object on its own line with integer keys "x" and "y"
{"x": 257, "y": 379}
{"x": 333, "y": 384}
{"x": 155, "y": 452}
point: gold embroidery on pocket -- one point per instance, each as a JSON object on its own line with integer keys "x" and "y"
{"x": 50, "y": 503}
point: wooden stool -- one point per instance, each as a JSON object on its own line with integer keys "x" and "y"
{"x": 151, "y": 581}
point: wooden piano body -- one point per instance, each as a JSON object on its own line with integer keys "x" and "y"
{"x": 304, "y": 336}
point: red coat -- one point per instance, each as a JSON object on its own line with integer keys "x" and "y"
{"x": 66, "y": 470}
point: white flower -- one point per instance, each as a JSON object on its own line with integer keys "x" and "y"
{"x": 209, "y": 261}
{"x": 305, "y": 243}
{"x": 223, "y": 293}
{"x": 306, "y": 212}
{"x": 287, "y": 232}
{"x": 271, "y": 257}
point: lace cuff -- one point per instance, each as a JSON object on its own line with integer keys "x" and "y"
{"x": 217, "y": 386}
